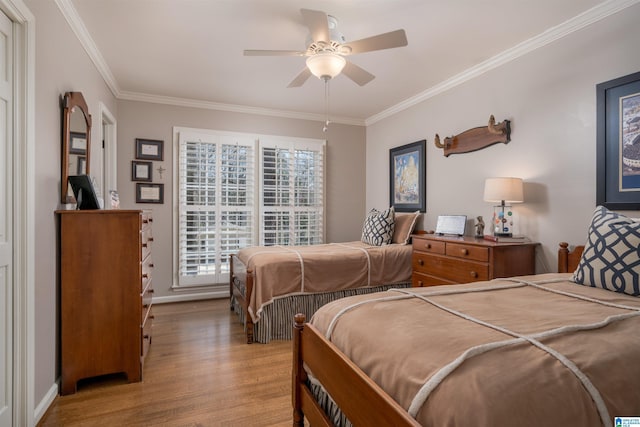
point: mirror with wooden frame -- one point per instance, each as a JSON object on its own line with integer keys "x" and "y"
{"x": 76, "y": 141}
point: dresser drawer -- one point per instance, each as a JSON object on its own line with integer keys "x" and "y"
{"x": 475, "y": 253}
{"x": 419, "y": 280}
{"x": 147, "y": 295}
{"x": 428, "y": 246}
{"x": 448, "y": 268}
{"x": 147, "y": 270}
{"x": 145, "y": 336}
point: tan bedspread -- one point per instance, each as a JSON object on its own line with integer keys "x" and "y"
{"x": 515, "y": 354}
{"x": 286, "y": 270}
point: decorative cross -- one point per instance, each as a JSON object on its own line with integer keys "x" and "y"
{"x": 160, "y": 170}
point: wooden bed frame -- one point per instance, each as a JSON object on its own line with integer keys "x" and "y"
{"x": 360, "y": 399}
{"x": 241, "y": 286}
{"x": 239, "y": 274}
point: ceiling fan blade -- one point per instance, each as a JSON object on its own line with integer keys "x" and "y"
{"x": 300, "y": 78}
{"x": 388, "y": 40}
{"x": 318, "y": 24}
{"x": 357, "y": 74}
{"x": 273, "y": 53}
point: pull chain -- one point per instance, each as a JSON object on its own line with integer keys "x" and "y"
{"x": 326, "y": 104}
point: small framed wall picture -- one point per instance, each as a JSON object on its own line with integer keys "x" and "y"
{"x": 149, "y": 149}
{"x": 78, "y": 143}
{"x": 141, "y": 171}
{"x": 149, "y": 193}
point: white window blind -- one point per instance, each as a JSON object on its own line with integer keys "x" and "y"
{"x": 222, "y": 206}
{"x": 292, "y": 192}
{"x": 216, "y": 205}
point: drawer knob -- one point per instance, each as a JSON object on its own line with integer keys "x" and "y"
{"x": 151, "y": 239}
{"x": 474, "y": 274}
{"x": 421, "y": 262}
{"x": 145, "y": 276}
{"x": 464, "y": 251}
{"x": 420, "y": 284}
{"x": 146, "y": 337}
{"x": 427, "y": 245}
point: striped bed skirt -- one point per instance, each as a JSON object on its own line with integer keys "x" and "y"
{"x": 276, "y": 320}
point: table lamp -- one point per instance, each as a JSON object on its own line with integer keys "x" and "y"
{"x": 504, "y": 191}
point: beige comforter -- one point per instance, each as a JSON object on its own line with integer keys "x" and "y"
{"x": 287, "y": 270}
{"x": 536, "y": 351}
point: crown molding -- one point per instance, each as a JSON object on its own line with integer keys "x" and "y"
{"x": 570, "y": 26}
{"x": 77, "y": 25}
{"x": 208, "y": 105}
{"x": 576, "y": 23}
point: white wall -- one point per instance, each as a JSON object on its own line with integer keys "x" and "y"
{"x": 345, "y": 170}
{"x": 61, "y": 65}
{"x": 550, "y": 97}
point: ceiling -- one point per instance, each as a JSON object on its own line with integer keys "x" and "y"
{"x": 190, "y": 52}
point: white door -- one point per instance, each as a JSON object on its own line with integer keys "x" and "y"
{"x": 6, "y": 208}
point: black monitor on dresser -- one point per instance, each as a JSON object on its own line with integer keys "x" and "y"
{"x": 84, "y": 192}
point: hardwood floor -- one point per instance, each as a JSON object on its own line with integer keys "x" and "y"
{"x": 199, "y": 372}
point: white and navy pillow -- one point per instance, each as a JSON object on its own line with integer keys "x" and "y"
{"x": 611, "y": 256}
{"x": 378, "y": 227}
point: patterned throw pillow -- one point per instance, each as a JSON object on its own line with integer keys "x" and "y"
{"x": 378, "y": 227}
{"x": 611, "y": 257}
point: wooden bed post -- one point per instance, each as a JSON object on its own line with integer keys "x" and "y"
{"x": 298, "y": 371}
{"x": 563, "y": 257}
{"x": 248, "y": 292}
{"x": 231, "y": 281}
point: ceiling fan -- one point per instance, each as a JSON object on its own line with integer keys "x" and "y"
{"x": 327, "y": 48}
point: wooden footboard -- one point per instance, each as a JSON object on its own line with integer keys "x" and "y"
{"x": 239, "y": 277}
{"x": 361, "y": 400}
{"x": 568, "y": 260}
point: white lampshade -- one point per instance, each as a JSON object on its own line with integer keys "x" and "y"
{"x": 503, "y": 190}
{"x": 326, "y": 65}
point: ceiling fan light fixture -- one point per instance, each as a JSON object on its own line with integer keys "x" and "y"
{"x": 326, "y": 65}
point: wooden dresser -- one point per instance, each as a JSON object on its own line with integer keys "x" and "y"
{"x": 105, "y": 293}
{"x": 439, "y": 260}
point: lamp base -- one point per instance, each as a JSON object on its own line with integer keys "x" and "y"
{"x": 503, "y": 234}
{"x": 502, "y": 221}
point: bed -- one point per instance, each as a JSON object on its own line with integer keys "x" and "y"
{"x": 549, "y": 349}
{"x": 269, "y": 284}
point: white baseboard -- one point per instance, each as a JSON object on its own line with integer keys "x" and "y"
{"x": 44, "y": 404}
{"x": 192, "y": 297}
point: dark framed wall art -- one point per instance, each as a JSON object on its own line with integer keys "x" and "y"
{"x": 149, "y": 193}
{"x": 149, "y": 149}
{"x": 407, "y": 177}
{"x": 141, "y": 171}
{"x": 618, "y": 143}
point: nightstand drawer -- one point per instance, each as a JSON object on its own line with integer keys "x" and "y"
{"x": 475, "y": 253}
{"x": 428, "y": 246}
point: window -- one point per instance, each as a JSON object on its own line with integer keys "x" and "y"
{"x": 216, "y": 194}
{"x": 292, "y": 190}
{"x": 220, "y": 210}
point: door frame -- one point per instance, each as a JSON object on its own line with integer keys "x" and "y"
{"x": 108, "y": 134}
{"x": 23, "y": 210}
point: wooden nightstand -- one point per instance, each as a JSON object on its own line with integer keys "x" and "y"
{"x": 440, "y": 260}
